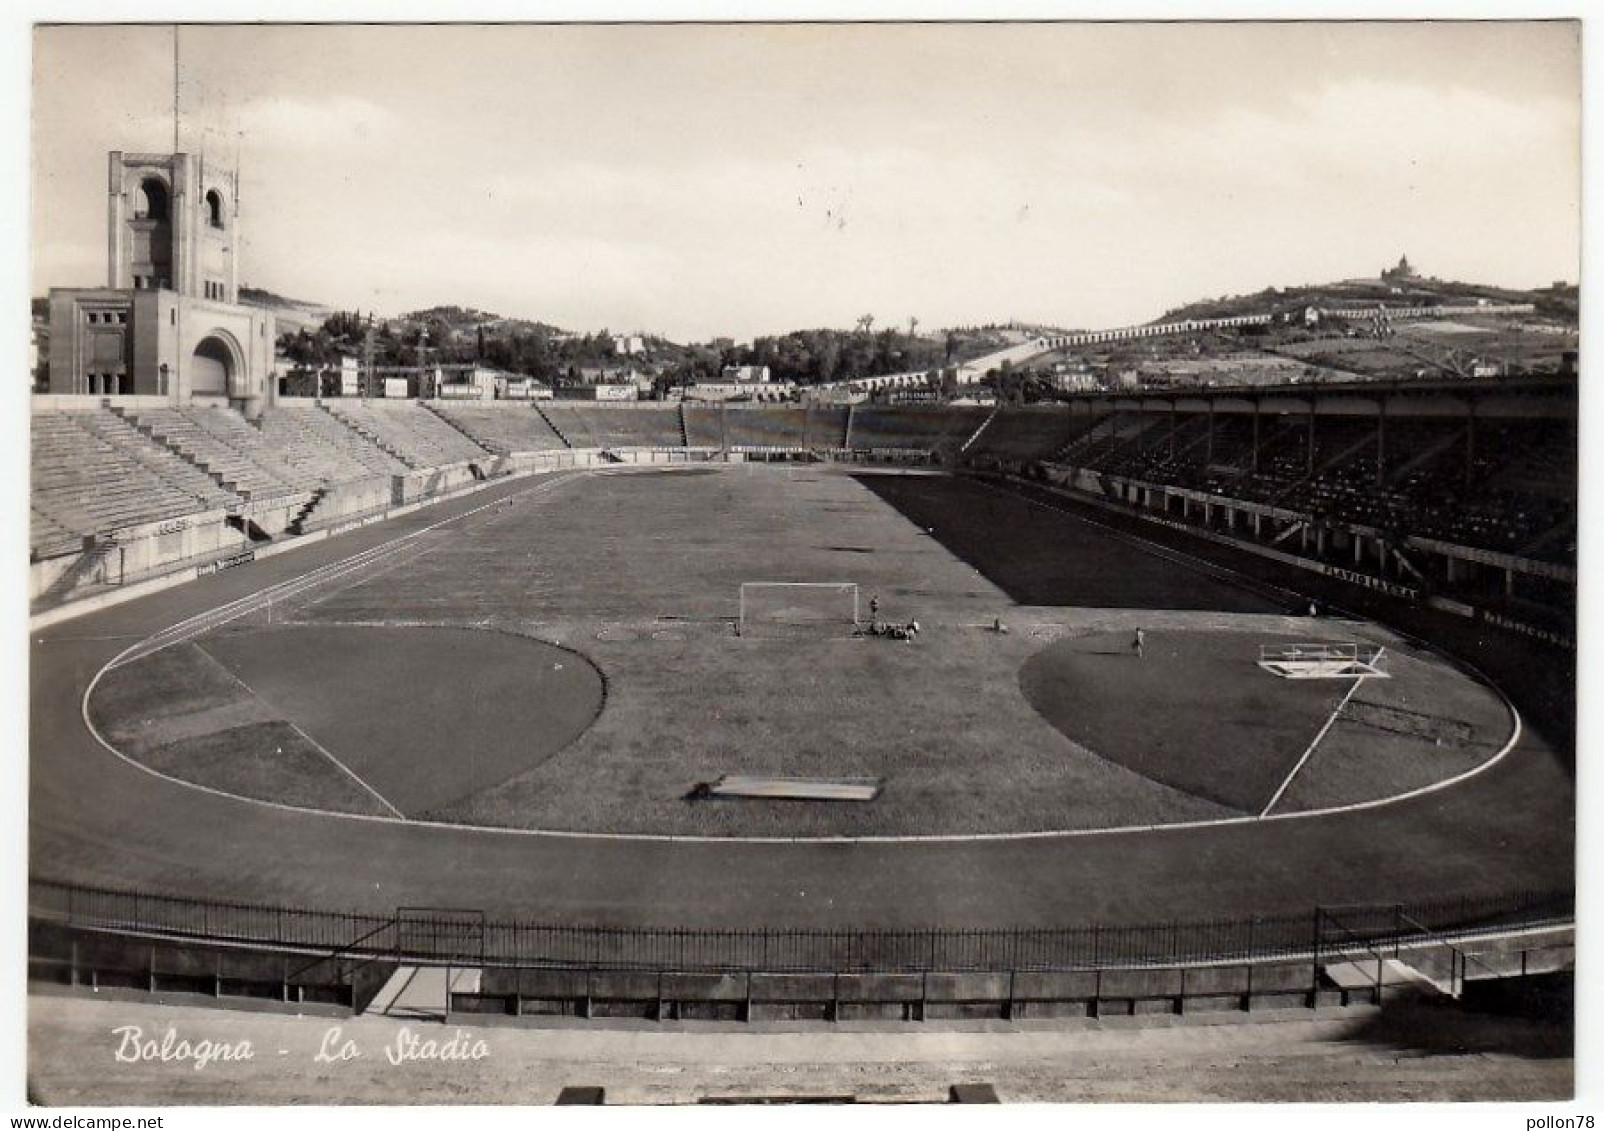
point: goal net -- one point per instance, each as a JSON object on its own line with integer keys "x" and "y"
{"x": 798, "y": 608}
{"x": 1324, "y": 660}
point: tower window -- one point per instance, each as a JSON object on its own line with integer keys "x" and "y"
{"x": 151, "y": 203}
{"x": 214, "y": 208}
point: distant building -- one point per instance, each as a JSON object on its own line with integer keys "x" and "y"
{"x": 834, "y": 394}
{"x": 603, "y": 375}
{"x": 768, "y": 391}
{"x": 515, "y": 388}
{"x": 628, "y": 345}
{"x": 1401, "y": 273}
{"x": 479, "y": 383}
{"x": 744, "y": 374}
{"x": 601, "y": 392}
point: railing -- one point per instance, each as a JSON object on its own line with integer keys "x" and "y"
{"x": 512, "y": 943}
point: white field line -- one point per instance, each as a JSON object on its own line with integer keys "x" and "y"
{"x": 931, "y": 838}
{"x": 1309, "y": 751}
{"x": 318, "y": 746}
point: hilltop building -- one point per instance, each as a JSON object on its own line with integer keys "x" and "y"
{"x": 1403, "y": 272}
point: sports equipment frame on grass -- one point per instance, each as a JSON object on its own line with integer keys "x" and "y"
{"x": 1322, "y": 660}
{"x": 793, "y": 608}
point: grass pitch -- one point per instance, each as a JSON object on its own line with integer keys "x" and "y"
{"x": 639, "y": 574}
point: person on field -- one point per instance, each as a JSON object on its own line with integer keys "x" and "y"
{"x": 1136, "y": 644}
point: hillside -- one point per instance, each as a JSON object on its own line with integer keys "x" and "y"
{"x": 1559, "y": 301}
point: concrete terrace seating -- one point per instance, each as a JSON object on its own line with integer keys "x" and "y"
{"x": 1028, "y": 433}
{"x": 929, "y": 429}
{"x": 814, "y": 427}
{"x": 765, "y": 426}
{"x": 599, "y": 426}
{"x": 47, "y": 538}
{"x": 325, "y": 448}
{"x": 503, "y": 428}
{"x": 826, "y": 427}
{"x": 704, "y": 426}
{"x": 410, "y": 431}
{"x": 161, "y": 460}
{"x": 88, "y": 483}
{"x": 233, "y": 451}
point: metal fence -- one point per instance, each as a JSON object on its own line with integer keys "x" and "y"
{"x": 467, "y": 937}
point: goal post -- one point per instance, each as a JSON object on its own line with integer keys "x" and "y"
{"x": 798, "y": 608}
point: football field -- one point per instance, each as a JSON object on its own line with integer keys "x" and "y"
{"x": 570, "y": 660}
{"x": 506, "y": 700}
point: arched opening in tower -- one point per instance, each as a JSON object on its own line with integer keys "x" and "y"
{"x": 210, "y": 368}
{"x": 152, "y": 200}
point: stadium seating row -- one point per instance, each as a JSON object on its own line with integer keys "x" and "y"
{"x": 220, "y": 442}
{"x": 588, "y": 426}
{"x": 1509, "y": 487}
{"x": 410, "y": 432}
{"x": 92, "y": 475}
{"x": 503, "y": 428}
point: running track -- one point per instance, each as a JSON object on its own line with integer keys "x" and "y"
{"x": 94, "y": 819}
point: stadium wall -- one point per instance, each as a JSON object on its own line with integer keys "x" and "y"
{"x": 135, "y": 553}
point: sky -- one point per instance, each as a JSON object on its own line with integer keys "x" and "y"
{"x": 700, "y": 181}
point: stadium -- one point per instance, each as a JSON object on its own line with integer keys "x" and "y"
{"x": 1151, "y": 706}
{"x": 500, "y": 706}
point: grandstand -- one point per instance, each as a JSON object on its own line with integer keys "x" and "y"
{"x": 762, "y": 426}
{"x": 780, "y": 428}
{"x": 925, "y": 429}
{"x": 1508, "y": 486}
{"x": 1025, "y": 433}
{"x": 615, "y": 426}
{"x": 323, "y": 447}
{"x": 410, "y": 432}
{"x": 219, "y": 441}
{"x": 826, "y": 427}
{"x": 1403, "y": 484}
{"x": 704, "y": 426}
{"x": 502, "y": 428}
{"x": 93, "y": 476}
